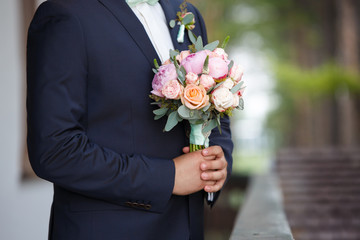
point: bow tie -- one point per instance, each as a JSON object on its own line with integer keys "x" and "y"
{"x": 133, "y": 3}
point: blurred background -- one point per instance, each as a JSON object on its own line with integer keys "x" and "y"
{"x": 302, "y": 115}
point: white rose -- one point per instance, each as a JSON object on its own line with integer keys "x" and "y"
{"x": 222, "y": 99}
{"x": 236, "y": 73}
{"x": 228, "y": 83}
{"x": 236, "y": 100}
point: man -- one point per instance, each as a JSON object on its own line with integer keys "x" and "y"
{"x": 91, "y": 130}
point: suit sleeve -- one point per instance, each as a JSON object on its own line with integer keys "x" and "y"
{"x": 58, "y": 146}
{"x": 222, "y": 139}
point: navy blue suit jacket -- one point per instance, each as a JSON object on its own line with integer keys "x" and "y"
{"x": 91, "y": 130}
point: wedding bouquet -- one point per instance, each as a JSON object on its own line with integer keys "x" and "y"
{"x": 200, "y": 85}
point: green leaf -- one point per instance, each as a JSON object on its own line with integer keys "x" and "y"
{"x": 192, "y": 37}
{"x": 155, "y": 71}
{"x": 237, "y": 87}
{"x": 173, "y": 53}
{"x": 172, "y": 23}
{"x": 212, "y": 46}
{"x": 241, "y": 104}
{"x": 184, "y": 112}
{"x": 216, "y": 86}
{"x": 231, "y": 64}
{"x": 156, "y": 64}
{"x": 199, "y": 44}
{"x": 209, "y": 126}
{"x": 171, "y": 121}
{"x": 206, "y": 65}
{"x": 160, "y": 111}
{"x": 180, "y": 75}
{"x": 188, "y": 19}
{"x": 204, "y": 109}
{"x": 218, "y": 123}
{"x": 157, "y": 117}
{"x": 183, "y": 70}
{"x": 225, "y": 42}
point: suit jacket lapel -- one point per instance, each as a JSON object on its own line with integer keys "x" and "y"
{"x": 170, "y": 14}
{"x": 123, "y": 13}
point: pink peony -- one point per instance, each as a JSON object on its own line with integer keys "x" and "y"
{"x": 194, "y": 97}
{"x": 172, "y": 89}
{"x": 191, "y": 78}
{"x": 207, "y": 81}
{"x": 218, "y": 68}
{"x": 165, "y": 73}
{"x": 182, "y": 56}
{"x": 194, "y": 62}
{"x": 236, "y": 73}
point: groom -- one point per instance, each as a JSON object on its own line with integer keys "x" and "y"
{"x": 91, "y": 131}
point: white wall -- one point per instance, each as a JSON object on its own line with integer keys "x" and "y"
{"x": 24, "y": 206}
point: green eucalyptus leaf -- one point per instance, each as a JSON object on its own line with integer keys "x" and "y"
{"x": 225, "y": 42}
{"x": 188, "y": 19}
{"x": 199, "y": 44}
{"x": 171, "y": 121}
{"x": 184, "y": 112}
{"x": 173, "y": 53}
{"x": 237, "y": 87}
{"x": 172, "y": 23}
{"x": 181, "y": 76}
{"x": 155, "y": 71}
{"x": 204, "y": 109}
{"x": 206, "y": 65}
{"x": 212, "y": 46}
{"x": 210, "y": 125}
{"x": 157, "y": 117}
{"x": 182, "y": 69}
{"x": 241, "y": 104}
{"x": 218, "y": 123}
{"x": 192, "y": 37}
{"x": 160, "y": 111}
{"x": 231, "y": 64}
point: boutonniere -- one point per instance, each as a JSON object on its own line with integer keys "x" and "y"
{"x": 186, "y": 20}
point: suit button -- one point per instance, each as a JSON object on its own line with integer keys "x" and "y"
{"x": 141, "y": 205}
{"x": 135, "y": 204}
{"x": 147, "y": 206}
{"x": 129, "y": 204}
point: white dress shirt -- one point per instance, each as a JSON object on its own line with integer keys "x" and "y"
{"x": 154, "y": 21}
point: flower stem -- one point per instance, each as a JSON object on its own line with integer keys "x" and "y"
{"x": 194, "y": 147}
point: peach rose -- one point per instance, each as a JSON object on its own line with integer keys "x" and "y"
{"x": 194, "y": 97}
{"x": 172, "y": 89}
{"x": 207, "y": 81}
{"x": 182, "y": 56}
{"x": 192, "y": 78}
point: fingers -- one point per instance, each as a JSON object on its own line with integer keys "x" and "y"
{"x": 214, "y": 188}
{"x": 186, "y": 150}
{"x": 214, "y": 175}
{"x": 213, "y": 150}
{"x": 214, "y": 165}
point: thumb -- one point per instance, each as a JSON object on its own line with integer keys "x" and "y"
{"x": 186, "y": 150}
